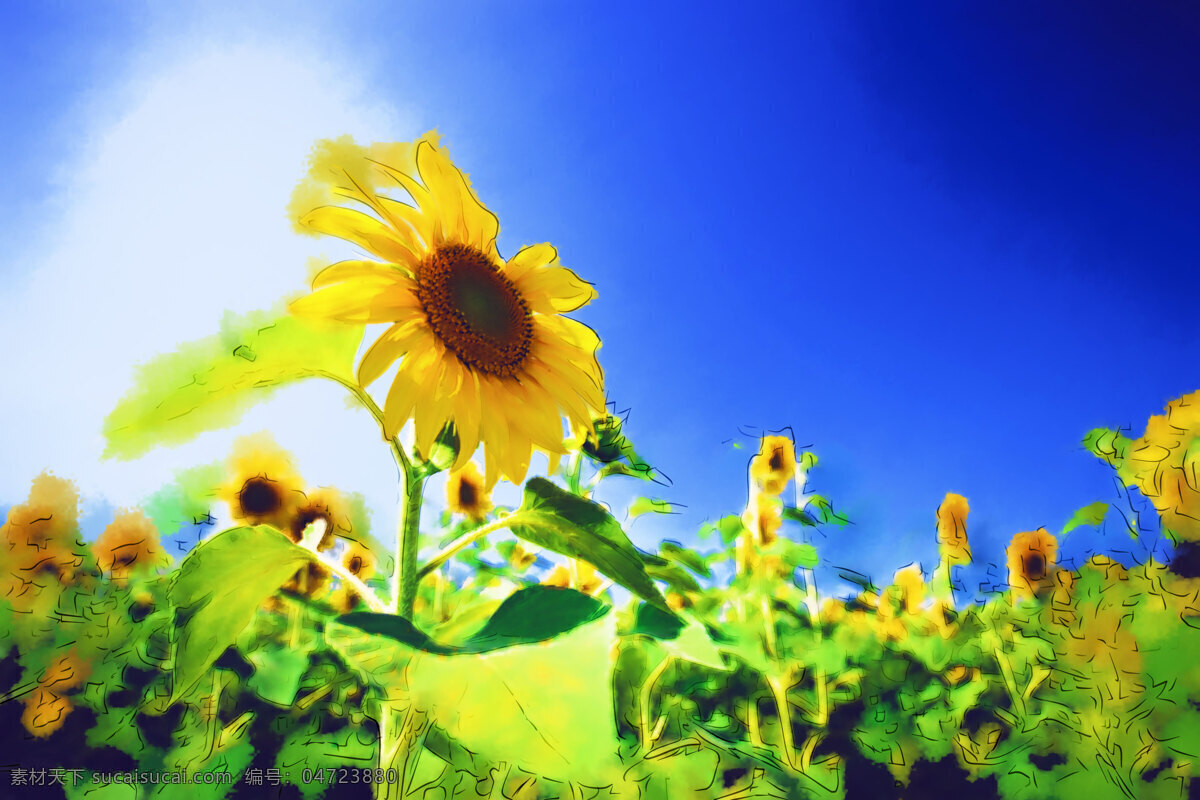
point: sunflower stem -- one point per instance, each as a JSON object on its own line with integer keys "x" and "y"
{"x": 408, "y": 542}
{"x": 465, "y": 541}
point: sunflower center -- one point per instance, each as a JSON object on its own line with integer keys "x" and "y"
{"x": 776, "y": 461}
{"x": 1035, "y": 566}
{"x": 468, "y": 495}
{"x": 475, "y": 310}
{"x": 259, "y": 497}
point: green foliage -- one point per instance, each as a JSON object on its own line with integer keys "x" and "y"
{"x": 531, "y": 688}
{"x": 1093, "y": 515}
{"x": 560, "y": 521}
{"x": 208, "y": 384}
{"x": 218, "y": 589}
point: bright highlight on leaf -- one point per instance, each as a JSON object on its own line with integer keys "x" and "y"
{"x": 208, "y": 384}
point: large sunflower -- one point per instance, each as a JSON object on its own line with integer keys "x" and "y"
{"x": 481, "y": 340}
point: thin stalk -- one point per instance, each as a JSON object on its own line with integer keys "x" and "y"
{"x": 647, "y": 691}
{"x": 466, "y": 540}
{"x": 812, "y": 604}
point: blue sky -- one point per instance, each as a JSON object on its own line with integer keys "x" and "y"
{"x": 939, "y": 243}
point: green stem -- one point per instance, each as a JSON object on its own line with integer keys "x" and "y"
{"x": 465, "y": 541}
{"x": 407, "y": 544}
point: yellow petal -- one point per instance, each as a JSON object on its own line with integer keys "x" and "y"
{"x": 363, "y": 301}
{"x": 463, "y": 217}
{"x": 408, "y": 383}
{"x": 564, "y": 396}
{"x": 350, "y": 270}
{"x": 395, "y": 342}
{"x": 420, "y": 224}
{"x": 466, "y": 418}
{"x": 528, "y": 258}
{"x": 554, "y": 290}
{"x": 433, "y": 407}
{"x": 493, "y": 430}
{"x": 365, "y": 231}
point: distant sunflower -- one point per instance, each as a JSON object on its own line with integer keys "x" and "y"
{"x": 481, "y": 340}
{"x": 40, "y": 537}
{"x": 264, "y": 487}
{"x": 952, "y": 528}
{"x": 775, "y": 464}
{"x": 321, "y": 504}
{"x": 129, "y": 543}
{"x": 467, "y": 494}
{"x": 1031, "y": 557}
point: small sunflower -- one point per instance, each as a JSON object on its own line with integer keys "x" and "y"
{"x": 47, "y": 706}
{"x": 588, "y": 580}
{"x": 481, "y": 340}
{"x": 910, "y": 586}
{"x": 952, "y": 529}
{"x": 322, "y": 504}
{"x": 129, "y": 543}
{"x": 264, "y": 487}
{"x": 40, "y": 537}
{"x": 1031, "y": 557}
{"x": 467, "y": 494}
{"x": 360, "y": 562}
{"x": 775, "y": 464}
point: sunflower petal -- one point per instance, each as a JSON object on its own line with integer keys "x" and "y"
{"x": 529, "y": 258}
{"x": 352, "y": 269}
{"x": 395, "y": 342}
{"x": 408, "y": 383}
{"x": 554, "y": 290}
{"x": 434, "y": 407}
{"x": 365, "y": 231}
{"x": 466, "y": 418}
{"x": 361, "y": 301}
{"x": 463, "y": 217}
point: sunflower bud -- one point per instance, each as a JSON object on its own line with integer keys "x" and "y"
{"x": 445, "y": 448}
{"x": 606, "y": 445}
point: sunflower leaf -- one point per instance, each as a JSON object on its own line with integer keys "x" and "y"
{"x": 683, "y": 638}
{"x": 531, "y": 688}
{"x": 217, "y": 591}
{"x": 557, "y": 520}
{"x": 1092, "y": 515}
{"x": 208, "y": 384}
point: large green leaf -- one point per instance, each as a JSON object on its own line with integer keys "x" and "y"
{"x": 533, "y": 687}
{"x": 206, "y": 385}
{"x": 217, "y": 590}
{"x": 572, "y": 526}
{"x": 686, "y": 639}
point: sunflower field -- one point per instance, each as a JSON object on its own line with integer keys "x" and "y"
{"x": 534, "y": 651}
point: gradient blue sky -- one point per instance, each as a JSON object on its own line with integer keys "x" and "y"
{"x": 940, "y": 241}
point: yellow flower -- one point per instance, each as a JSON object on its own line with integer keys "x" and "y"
{"x": 39, "y": 537}
{"x": 1031, "y": 558}
{"x": 466, "y": 493}
{"x": 129, "y": 543}
{"x": 589, "y": 580}
{"x": 322, "y": 504}
{"x": 47, "y": 706}
{"x": 775, "y": 464}
{"x": 358, "y": 560}
{"x": 910, "y": 587}
{"x": 952, "y": 529}
{"x": 264, "y": 487}
{"x": 767, "y": 509}
{"x": 481, "y": 340}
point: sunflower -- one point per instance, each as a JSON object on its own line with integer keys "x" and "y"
{"x": 322, "y": 504}
{"x": 910, "y": 587}
{"x": 952, "y": 529}
{"x": 775, "y": 464}
{"x": 467, "y": 494}
{"x": 264, "y": 487}
{"x": 47, "y": 706}
{"x": 1031, "y": 558}
{"x": 40, "y": 537}
{"x": 129, "y": 543}
{"x": 360, "y": 562}
{"x": 481, "y": 340}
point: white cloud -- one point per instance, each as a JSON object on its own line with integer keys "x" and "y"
{"x": 174, "y": 214}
